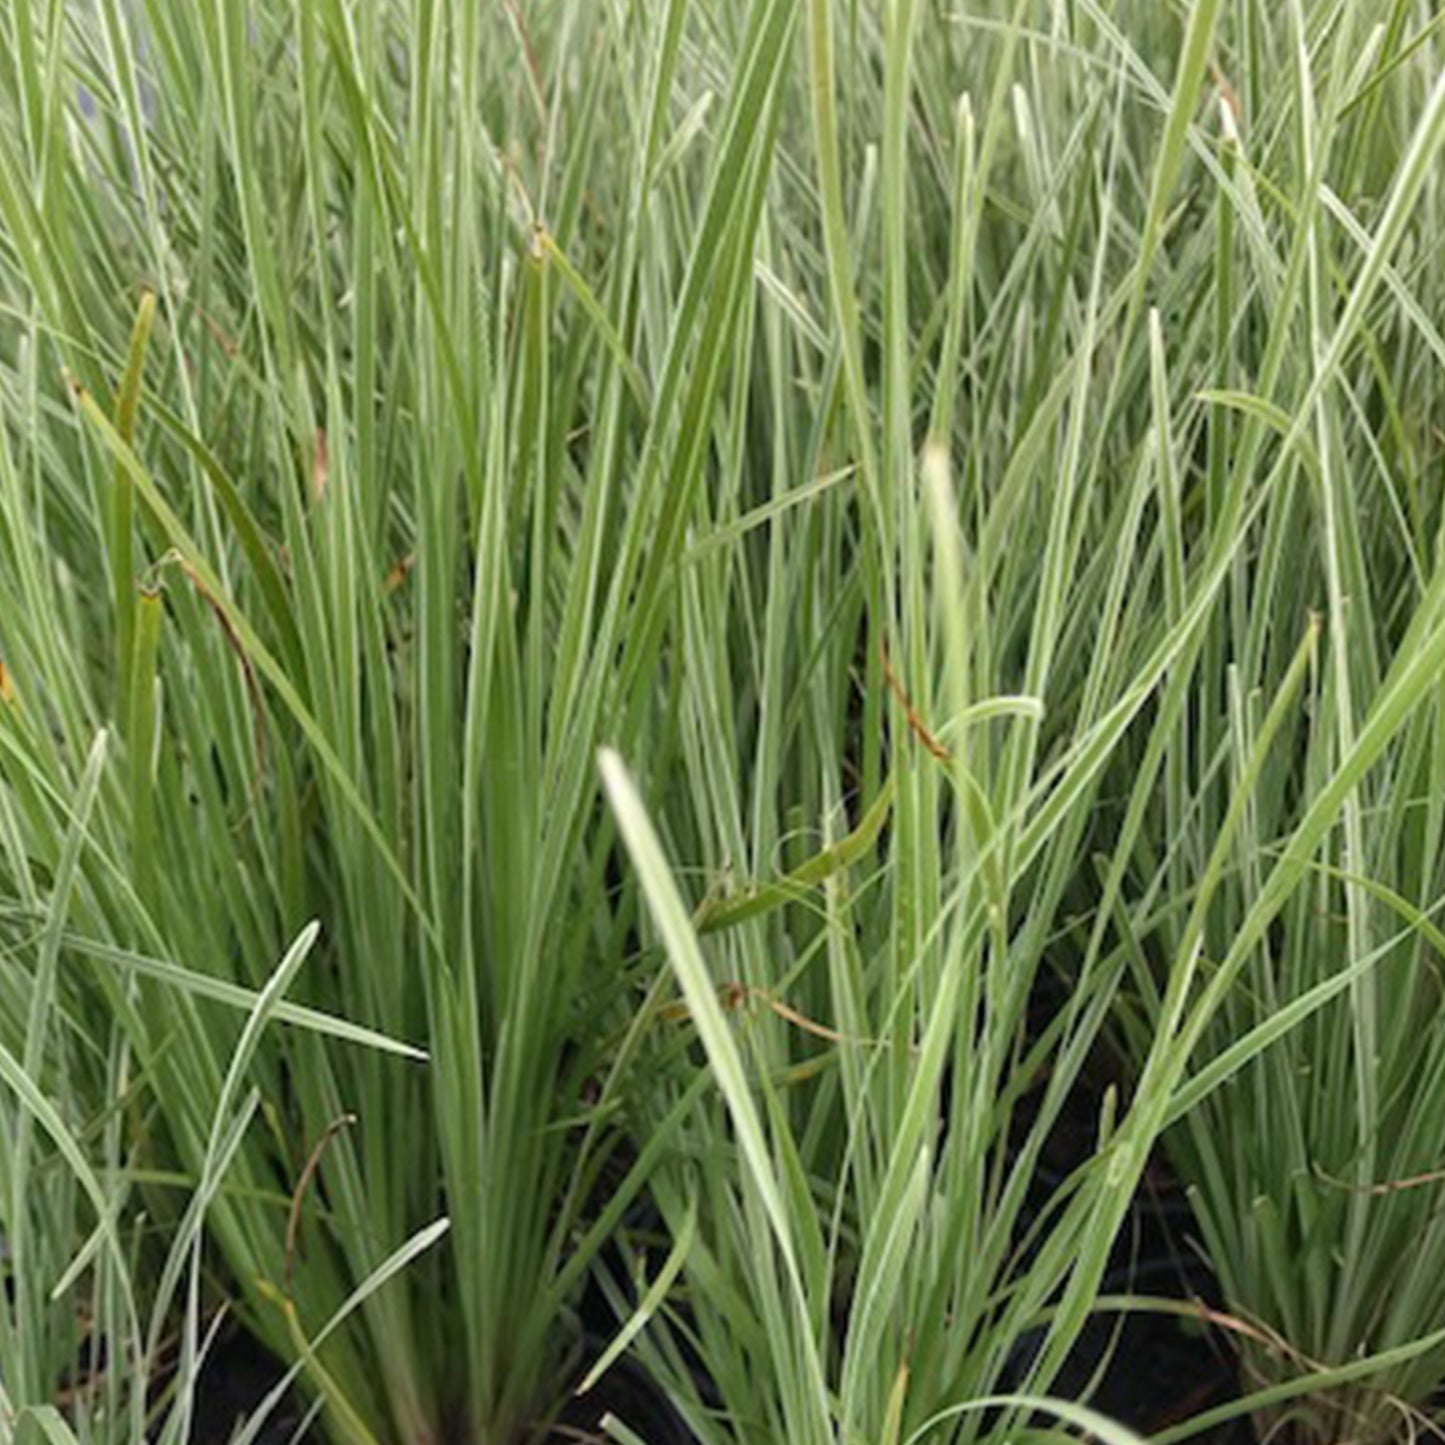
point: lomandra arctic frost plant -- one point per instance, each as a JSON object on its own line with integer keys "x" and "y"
{"x": 971, "y": 464}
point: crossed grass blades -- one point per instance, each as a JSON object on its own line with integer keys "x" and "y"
{"x": 975, "y": 464}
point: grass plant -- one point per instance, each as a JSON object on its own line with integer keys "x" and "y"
{"x": 1315, "y": 1169}
{"x": 971, "y": 469}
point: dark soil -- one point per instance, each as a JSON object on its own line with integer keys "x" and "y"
{"x": 1148, "y": 1371}
{"x": 239, "y": 1373}
{"x": 237, "y": 1376}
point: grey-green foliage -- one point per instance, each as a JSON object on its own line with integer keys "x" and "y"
{"x": 1314, "y": 1169}
{"x": 1186, "y": 316}
{"x": 918, "y": 438}
{"x": 360, "y": 561}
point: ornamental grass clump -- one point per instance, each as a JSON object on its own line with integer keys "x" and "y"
{"x": 1315, "y": 1171}
{"x": 968, "y": 472}
{"x": 1148, "y": 693}
{"x": 350, "y": 451}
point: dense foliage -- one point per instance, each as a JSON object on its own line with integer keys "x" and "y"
{"x": 639, "y": 637}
